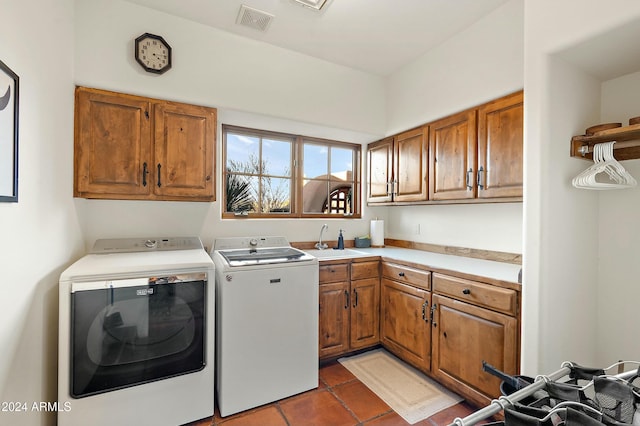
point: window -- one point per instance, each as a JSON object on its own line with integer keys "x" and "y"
{"x": 271, "y": 174}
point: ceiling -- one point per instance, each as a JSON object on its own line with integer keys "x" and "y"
{"x": 375, "y": 36}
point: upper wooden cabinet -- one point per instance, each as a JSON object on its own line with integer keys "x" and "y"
{"x": 131, "y": 147}
{"x": 500, "y": 147}
{"x": 398, "y": 167}
{"x": 380, "y": 168}
{"x": 410, "y": 165}
{"x": 452, "y": 157}
{"x": 476, "y": 154}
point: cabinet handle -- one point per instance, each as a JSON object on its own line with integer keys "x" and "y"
{"x": 355, "y": 297}
{"x": 346, "y": 299}
{"x": 468, "y": 179}
{"x": 391, "y": 183}
{"x": 159, "y": 183}
{"x": 145, "y": 172}
{"x": 401, "y": 274}
{"x": 480, "y": 171}
{"x": 466, "y": 291}
{"x": 424, "y": 311}
{"x": 433, "y": 311}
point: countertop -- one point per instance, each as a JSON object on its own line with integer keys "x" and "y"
{"x": 473, "y": 267}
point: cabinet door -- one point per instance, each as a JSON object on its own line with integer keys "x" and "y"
{"x": 380, "y": 156}
{"x": 334, "y": 318}
{"x": 452, "y": 157}
{"x": 410, "y": 165}
{"x": 365, "y": 312}
{"x": 184, "y": 151}
{"x": 404, "y": 317}
{"x": 500, "y": 147}
{"x": 464, "y": 336}
{"x": 112, "y": 145}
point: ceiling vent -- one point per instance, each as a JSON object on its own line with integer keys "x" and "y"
{"x": 254, "y": 18}
{"x": 313, "y": 4}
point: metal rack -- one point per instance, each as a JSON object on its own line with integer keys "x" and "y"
{"x": 503, "y": 402}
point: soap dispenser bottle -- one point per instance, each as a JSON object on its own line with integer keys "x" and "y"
{"x": 340, "y": 241}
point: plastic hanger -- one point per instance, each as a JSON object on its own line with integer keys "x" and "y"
{"x": 604, "y": 162}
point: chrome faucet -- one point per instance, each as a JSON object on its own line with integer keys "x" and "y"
{"x": 320, "y": 245}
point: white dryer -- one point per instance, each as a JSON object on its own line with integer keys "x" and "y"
{"x": 136, "y": 334}
{"x": 267, "y": 321}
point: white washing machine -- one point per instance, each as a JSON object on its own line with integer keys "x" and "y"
{"x": 136, "y": 334}
{"x": 266, "y": 322}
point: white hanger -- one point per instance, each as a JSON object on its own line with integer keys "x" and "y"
{"x": 604, "y": 162}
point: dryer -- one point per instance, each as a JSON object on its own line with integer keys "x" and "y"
{"x": 136, "y": 334}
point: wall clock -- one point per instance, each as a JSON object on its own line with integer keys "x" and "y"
{"x": 153, "y": 53}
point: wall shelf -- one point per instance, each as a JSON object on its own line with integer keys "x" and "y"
{"x": 627, "y": 145}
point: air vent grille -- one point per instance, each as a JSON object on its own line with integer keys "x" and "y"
{"x": 254, "y": 18}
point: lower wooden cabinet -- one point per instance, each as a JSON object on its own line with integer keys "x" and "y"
{"x": 349, "y": 307}
{"x": 405, "y": 331}
{"x": 464, "y": 336}
{"x": 334, "y": 318}
{"x": 446, "y": 326}
{"x": 365, "y": 313}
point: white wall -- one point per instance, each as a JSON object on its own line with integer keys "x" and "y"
{"x": 563, "y": 315}
{"x": 619, "y": 233}
{"x": 481, "y": 63}
{"x": 251, "y": 83}
{"x": 495, "y": 227}
{"x": 41, "y": 233}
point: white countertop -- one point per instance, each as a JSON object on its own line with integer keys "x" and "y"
{"x": 467, "y": 265}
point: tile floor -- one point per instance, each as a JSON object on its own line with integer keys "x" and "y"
{"x": 340, "y": 400}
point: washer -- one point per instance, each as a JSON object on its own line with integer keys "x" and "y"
{"x": 136, "y": 334}
{"x": 267, "y": 321}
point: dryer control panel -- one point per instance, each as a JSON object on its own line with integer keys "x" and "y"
{"x": 132, "y": 245}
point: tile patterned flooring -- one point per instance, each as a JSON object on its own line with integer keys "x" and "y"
{"x": 340, "y": 400}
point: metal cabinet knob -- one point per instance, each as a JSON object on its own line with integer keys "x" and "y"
{"x": 466, "y": 291}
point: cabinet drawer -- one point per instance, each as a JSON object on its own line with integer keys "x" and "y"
{"x": 334, "y": 273}
{"x": 407, "y": 275}
{"x": 496, "y": 298}
{"x": 360, "y": 270}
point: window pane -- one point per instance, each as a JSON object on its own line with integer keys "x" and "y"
{"x": 316, "y": 161}
{"x": 314, "y": 195}
{"x": 275, "y": 195}
{"x": 342, "y": 163}
{"x": 242, "y": 153}
{"x": 241, "y": 194}
{"x": 276, "y": 157}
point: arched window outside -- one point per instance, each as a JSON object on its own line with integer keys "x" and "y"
{"x": 339, "y": 201}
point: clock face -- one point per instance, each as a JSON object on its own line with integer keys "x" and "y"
{"x": 153, "y": 53}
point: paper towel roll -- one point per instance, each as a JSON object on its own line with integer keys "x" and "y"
{"x": 377, "y": 233}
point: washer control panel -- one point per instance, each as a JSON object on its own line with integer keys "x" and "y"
{"x": 249, "y": 243}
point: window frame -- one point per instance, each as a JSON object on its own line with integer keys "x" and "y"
{"x": 297, "y": 178}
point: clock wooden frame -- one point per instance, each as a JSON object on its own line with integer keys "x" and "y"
{"x": 143, "y": 62}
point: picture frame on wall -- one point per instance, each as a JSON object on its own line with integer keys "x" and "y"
{"x": 9, "y": 96}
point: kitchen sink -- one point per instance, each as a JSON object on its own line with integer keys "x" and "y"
{"x": 336, "y": 254}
